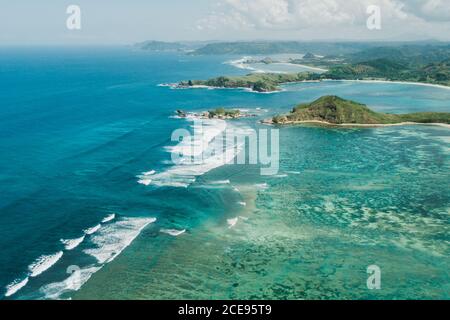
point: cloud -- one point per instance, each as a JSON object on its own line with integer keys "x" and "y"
{"x": 300, "y": 13}
{"x": 297, "y": 15}
{"x": 432, "y": 10}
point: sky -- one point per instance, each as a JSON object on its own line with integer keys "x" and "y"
{"x": 104, "y": 22}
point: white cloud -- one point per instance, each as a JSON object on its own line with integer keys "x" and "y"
{"x": 298, "y": 15}
{"x": 438, "y": 10}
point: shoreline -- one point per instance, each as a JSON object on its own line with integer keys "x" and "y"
{"x": 441, "y": 86}
{"x": 205, "y": 87}
{"x": 361, "y": 125}
{"x": 241, "y": 64}
{"x": 174, "y": 86}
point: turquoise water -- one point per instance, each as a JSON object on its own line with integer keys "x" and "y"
{"x": 79, "y": 125}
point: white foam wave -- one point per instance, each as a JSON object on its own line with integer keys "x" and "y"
{"x": 112, "y": 239}
{"x": 201, "y": 153}
{"x": 241, "y": 64}
{"x": 145, "y": 181}
{"x": 109, "y": 218}
{"x": 261, "y": 186}
{"x": 167, "y": 85}
{"x": 15, "y": 286}
{"x": 173, "y": 232}
{"x": 43, "y": 263}
{"x": 232, "y": 222}
{"x": 280, "y": 176}
{"x": 71, "y": 244}
{"x": 73, "y": 283}
{"x": 92, "y": 230}
{"x": 220, "y": 182}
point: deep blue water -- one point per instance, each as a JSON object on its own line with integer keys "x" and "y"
{"x": 78, "y": 125}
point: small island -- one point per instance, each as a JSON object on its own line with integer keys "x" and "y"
{"x": 333, "y": 110}
{"x": 218, "y": 113}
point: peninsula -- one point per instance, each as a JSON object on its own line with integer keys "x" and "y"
{"x": 258, "y": 82}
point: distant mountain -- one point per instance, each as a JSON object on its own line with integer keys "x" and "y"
{"x": 278, "y": 47}
{"x": 412, "y": 54}
{"x": 394, "y": 69}
{"x": 335, "y": 110}
{"x": 160, "y": 46}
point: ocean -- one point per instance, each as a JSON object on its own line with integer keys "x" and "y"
{"x": 92, "y": 206}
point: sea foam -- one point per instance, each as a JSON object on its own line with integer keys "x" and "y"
{"x": 92, "y": 230}
{"x": 15, "y": 286}
{"x": 109, "y": 218}
{"x": 72, "y": 283}
{"x": 112, "y": 239}
{"x": 43, "y": 263}
{"x": 71, "y": 244}
{"x": 232, "y": 222}
{"x": 173, "y": 232}
{"x": 206, "y": 149}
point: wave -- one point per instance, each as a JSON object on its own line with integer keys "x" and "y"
{"x": 109, "y": 218}
{"x": 145, "y": 178}
{"x": 71, "y": 244}
{"x": 112, "y": 239}
{"x": 15, "y": 286}
{"x": 232, "y": 222}
{"x": 220, "y": 182}
{"x": 261, "y": 186}
{"x": 173, "y": 232}
{"x": 73, "y": 283}
{"x": 259, "y": 67}
{"x": 43, "y": 263}
{"x": 92, "y": 230}
{"x": 167, "y": 85}
{"x": 201, "y": 153}
{"x": 241, "y": 64}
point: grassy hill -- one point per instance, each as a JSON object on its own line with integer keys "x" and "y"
{"x": 335, "y": 110}
{"x": 383, "y": 68}
{"x": 260, "y": 82}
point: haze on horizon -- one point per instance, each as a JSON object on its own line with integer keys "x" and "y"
{"x": 26, "y": 22}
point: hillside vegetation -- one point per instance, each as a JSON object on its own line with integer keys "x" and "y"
{"x": 335, "y": 110}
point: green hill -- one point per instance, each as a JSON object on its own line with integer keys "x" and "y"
{"x": 335, "y": 110}
{"x": 260, "y": 82}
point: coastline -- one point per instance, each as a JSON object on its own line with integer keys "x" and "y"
{"x": 241, "y": 64}
{"x": 362, "y": 125}
{"x": 178, "y": 87}
{"x": 246, "y": 89}
{"x": 441, "y": 86}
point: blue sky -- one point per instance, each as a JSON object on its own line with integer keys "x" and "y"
{"x": 31, "y": 22}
